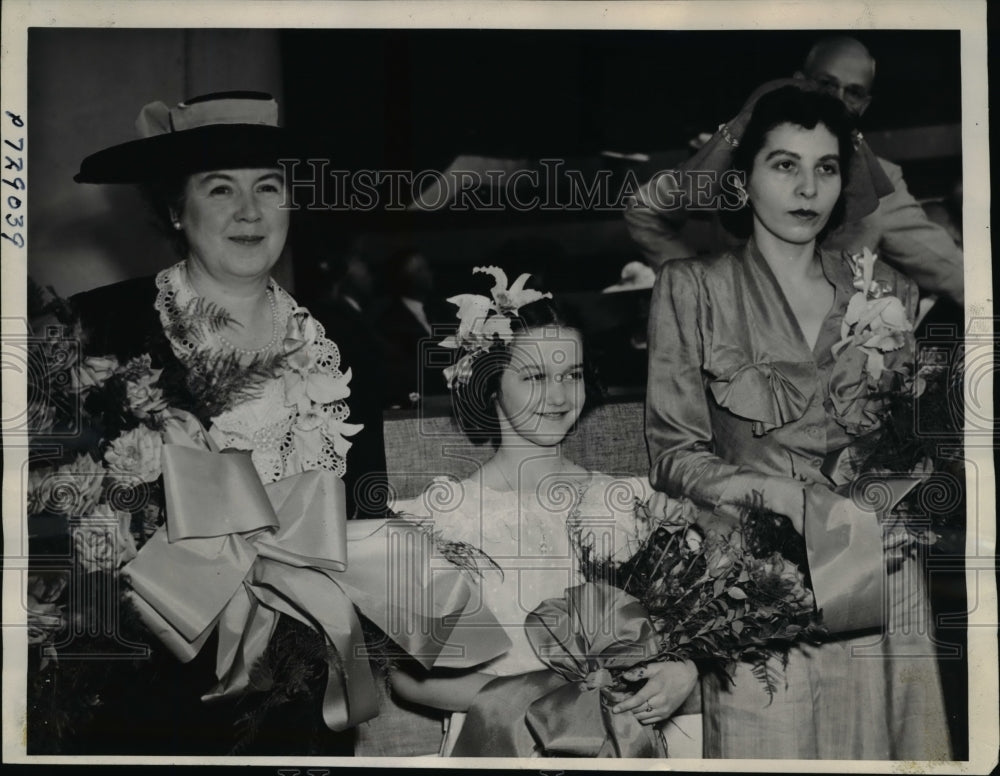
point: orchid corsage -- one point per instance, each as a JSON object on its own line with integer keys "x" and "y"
{"x": 875, "y": 348}
{"x": 875, "y": 320}
{"x": 314, "y": 389}
{"x": 484, "y": 321}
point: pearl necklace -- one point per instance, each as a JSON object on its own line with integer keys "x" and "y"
{"x": 274, "y": 332}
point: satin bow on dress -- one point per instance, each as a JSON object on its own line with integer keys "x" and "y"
{"x": 566, "y": 710}
{"x": 235, "y": 554}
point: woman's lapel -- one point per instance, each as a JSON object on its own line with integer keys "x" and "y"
{"x": 773, "y": 315}
{"x": 773, "y": 324}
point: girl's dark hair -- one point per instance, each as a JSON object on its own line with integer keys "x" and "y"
{"x": 804, "y": 108}
{"x": 474, "y": 403}
{"x": 165, "y": 197}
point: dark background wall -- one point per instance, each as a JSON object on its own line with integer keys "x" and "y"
{"x": 416, "y": 99}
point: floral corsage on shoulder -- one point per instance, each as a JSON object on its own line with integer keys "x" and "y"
{"x": 875, "y": 354}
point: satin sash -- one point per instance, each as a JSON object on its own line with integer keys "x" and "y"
{"x": 235, "y": 554}
{"x": 844, "y": 549}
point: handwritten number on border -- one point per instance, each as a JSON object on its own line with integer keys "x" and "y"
{"x": 14, "y": 202}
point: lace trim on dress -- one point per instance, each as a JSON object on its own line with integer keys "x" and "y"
{"x": 591, "y": 506}
{"x": 263, "y": 425}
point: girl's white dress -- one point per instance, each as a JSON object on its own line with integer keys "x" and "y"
{"x": 527, "y": 535}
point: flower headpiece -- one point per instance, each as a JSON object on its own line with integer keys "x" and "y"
{"x": 484, "y": 321}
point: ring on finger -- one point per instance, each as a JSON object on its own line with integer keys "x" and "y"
{"x": 648, "y": 708}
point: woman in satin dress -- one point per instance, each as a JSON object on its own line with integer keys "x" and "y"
{"x": 748, "y": 401}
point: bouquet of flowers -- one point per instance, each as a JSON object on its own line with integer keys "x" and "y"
{"x": 94, "y": 497}
{"x": 715, "y": 596}
{"x": 270, "y": 561}
{"x": 97, "y": 427}
{"x": 903, "y": 405}
{"x": 686, "y": 593}
{"x": 920, "y": 437}
{"x": 112, "y": 485}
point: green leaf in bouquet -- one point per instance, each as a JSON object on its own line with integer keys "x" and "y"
{"x": 767, "y": 675}
{"x": 736, "y": 594}
{"x": 717, "y": 570}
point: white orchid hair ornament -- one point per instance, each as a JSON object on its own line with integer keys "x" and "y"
{"x": 483, "y": 321}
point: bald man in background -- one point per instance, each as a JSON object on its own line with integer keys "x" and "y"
{"x": 899, "y": 230}
{"x": 844, "y": 68}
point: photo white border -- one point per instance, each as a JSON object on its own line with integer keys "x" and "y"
{"x": 969, "y": 17}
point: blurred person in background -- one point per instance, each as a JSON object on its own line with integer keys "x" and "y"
{"x": 405, "y": 322}
{"x": 947, "y": 212}
{"x": 898, "y": 230}
{"x": 347, "y": 307}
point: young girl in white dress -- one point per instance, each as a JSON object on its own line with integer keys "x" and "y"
{"x": 523, "y": 390}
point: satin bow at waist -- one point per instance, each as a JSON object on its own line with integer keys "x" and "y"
{"x": 236, "y": 554}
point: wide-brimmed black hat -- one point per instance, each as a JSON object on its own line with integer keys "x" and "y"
{"x": 225, "y": 130}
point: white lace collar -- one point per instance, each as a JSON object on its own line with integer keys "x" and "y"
{"x": 174, "y": 298}
{"x": 296, "y": 422}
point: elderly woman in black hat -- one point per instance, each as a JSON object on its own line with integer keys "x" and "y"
{"x": 210, "y": 167}
{"x": 261, "y": 375}
{"x": 766, "y": 367}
